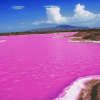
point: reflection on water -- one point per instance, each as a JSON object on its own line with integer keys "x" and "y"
{"x": 38, "y": 67}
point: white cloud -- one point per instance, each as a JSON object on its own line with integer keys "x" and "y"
{"x": 22, "y": 23}
{"x": 49, "y": 21}
{"x": 53, "y": 14}
{"x": 50, "y": 6}
{"x": 9, "y": 28}
{"x": 99, "y": 15}
{"x": 83, "y": 15}
{"x": 17, "y": 7}
{"x": 35, "y": 23}
{"x": 38, "y": 22}
{"x": 80, "y": 17}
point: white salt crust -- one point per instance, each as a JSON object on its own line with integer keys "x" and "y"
{"x": 72, "y": 92}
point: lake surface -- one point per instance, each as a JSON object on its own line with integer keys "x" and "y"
{"x": 39, "y": 67}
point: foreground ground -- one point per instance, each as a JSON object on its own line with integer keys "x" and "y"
{"x": 85, "y": 88}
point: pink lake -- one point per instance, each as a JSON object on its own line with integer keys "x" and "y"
{"x": 39, "y": 67}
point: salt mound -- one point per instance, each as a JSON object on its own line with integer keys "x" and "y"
{"x": 84, "y": 88}
{"x": 2, "y": 40}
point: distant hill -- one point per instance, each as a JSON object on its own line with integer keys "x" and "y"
{"x": 61, "y": 27}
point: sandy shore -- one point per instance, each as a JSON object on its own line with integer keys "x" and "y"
{"x": 2, "y": 40}
{"x": 84, "y": 88}
{"x": 83, "y": 37}
{"x": 85, "y": 41}
{"x": 80, "y": 40}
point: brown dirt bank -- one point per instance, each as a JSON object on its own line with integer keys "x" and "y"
{"x": 81, "y": 32}
{"x": 92, "y": 37}
{"x": 84, "y": 88}
{"x": 83, "y": 35}
{"x": 89, "y": 36}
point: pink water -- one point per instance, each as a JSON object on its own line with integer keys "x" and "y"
{"x": 39, "y": 67}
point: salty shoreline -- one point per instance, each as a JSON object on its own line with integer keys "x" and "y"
{"x": 79, "y": 40}
{"x": 2, "y": 40}
{"x": 84, "y": 41}
{"x": 82, "y": 88}
{"x": 82, "y": 35}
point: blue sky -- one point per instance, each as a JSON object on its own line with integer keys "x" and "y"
{"x": 24, "y": 15}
